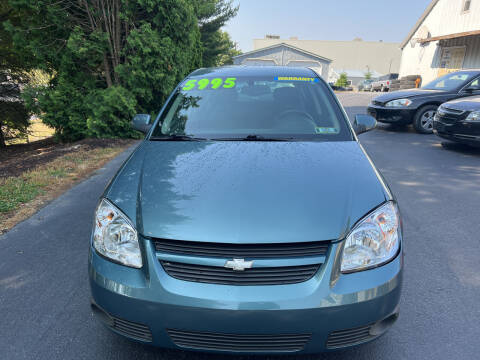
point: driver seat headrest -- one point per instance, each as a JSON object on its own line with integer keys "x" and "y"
{"x": 286, "y": 97}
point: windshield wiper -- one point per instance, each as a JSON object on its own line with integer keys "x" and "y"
{"x": 253, "y": 138}
{"x": 176, "y": 138}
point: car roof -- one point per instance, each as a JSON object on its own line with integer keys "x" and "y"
{"x": 466, "y": 70}
{"x": 246, "y": 70}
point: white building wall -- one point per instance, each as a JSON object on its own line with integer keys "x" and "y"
{"x": 444, "y": 19}
{"x": 382, "y": 57}
{"x": 447, "y": 17}
{"x": 418, "y": 61}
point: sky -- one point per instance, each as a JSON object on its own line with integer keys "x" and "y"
{"x": 371, "y": 20}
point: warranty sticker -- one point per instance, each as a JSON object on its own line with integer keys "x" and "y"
{"x": 296, "y": 78}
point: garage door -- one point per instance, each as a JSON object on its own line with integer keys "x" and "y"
{"x": 314, "y": 65}
{"x": 301, "y": 63}
{"x": 259, "y": 62}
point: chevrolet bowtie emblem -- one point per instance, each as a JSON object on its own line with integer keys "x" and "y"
{"x": 238, "y": 264}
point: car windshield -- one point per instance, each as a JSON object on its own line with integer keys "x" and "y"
{"x": 451, "y": 81}
{"x": 283, "y": 108}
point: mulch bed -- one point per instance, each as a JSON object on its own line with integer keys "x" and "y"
{"x": 16, "y": 159}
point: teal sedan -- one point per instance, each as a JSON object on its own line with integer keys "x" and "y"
{"x": 249, "y": 220}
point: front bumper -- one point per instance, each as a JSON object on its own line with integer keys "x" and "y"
{"x": 318, "y": 315}
{"x": 460, "y": 131}
{"x": 391, "y": 115}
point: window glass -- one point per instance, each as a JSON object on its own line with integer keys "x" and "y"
{"x": 452, "y": 81}
{"x": 475, "y": 84}
{"x": 294, "y": 108}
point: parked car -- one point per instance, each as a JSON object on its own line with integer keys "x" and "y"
{"x": 418, "y": 106}
{"x": 249, "y": 220}
{"x": 459, "y": 121}
{"x": 383, "y": 83}
{"x": 365, "y": 85}
{"x": 333, "y": 86}
{"x": 338, "y": 88}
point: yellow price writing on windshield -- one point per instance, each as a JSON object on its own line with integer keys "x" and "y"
{"x": 205, "y": 83}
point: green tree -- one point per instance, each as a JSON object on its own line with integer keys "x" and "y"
{"x": 14, "y": 66}
{"x": 11, "y": 60}
{"x": 107, "y": 59}
{"x": 342, "y": 80}
{"x": 368, "y": 75}
{"x": 230, "y": 50}
{"x": 14, "y": 120}
{"x": 212, "y": 15}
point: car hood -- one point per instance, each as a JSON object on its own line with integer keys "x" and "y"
{"x": 471, "y": 103}
{"x": 405, "y": 94}
{"x": 257, "y": 192}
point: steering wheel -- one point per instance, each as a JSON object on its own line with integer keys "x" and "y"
{"x": 302, "y": 118}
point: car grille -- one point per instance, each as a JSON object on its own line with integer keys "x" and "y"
{"x": 253, "y": 276}
{"x": 239, "y": 342}
{"x": 131, "y": 329}
{"x": 244, "y": 251}
{"x": 467, "y": 137}
{"x": 446, "y": 119}
{"x": 452, "y": 111}
{"x": 342, "y": 338}
{"x": 449, "y": 116}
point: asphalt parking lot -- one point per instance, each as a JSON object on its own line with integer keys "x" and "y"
{"x": 44, "y": 293}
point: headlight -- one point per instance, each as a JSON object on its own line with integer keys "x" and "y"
{"x": 398, "y": 103}
{"x": 115, "y": 236}
{"x": 374, "y": 241}
{"x": 473, "y": 116}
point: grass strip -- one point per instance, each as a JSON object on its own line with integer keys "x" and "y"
{"x": 22, "y": 196}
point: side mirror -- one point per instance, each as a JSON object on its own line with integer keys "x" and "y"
{"x": 364, "y": 123}
{"x": 141, "y": 122}
{"x": 470, "y": 90}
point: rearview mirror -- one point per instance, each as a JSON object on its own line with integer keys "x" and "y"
{"x": 364, "y": 123}
{"x": 141, "y": 122}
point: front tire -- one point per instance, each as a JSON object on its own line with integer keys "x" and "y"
{"x": 423, "y": 120}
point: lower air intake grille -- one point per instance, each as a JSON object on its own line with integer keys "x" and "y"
{"x": 238, "y": 342}
{"x": 253, "y": 276}
{"x": 131, "y": 329}
{"x": 342, "y": 338}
